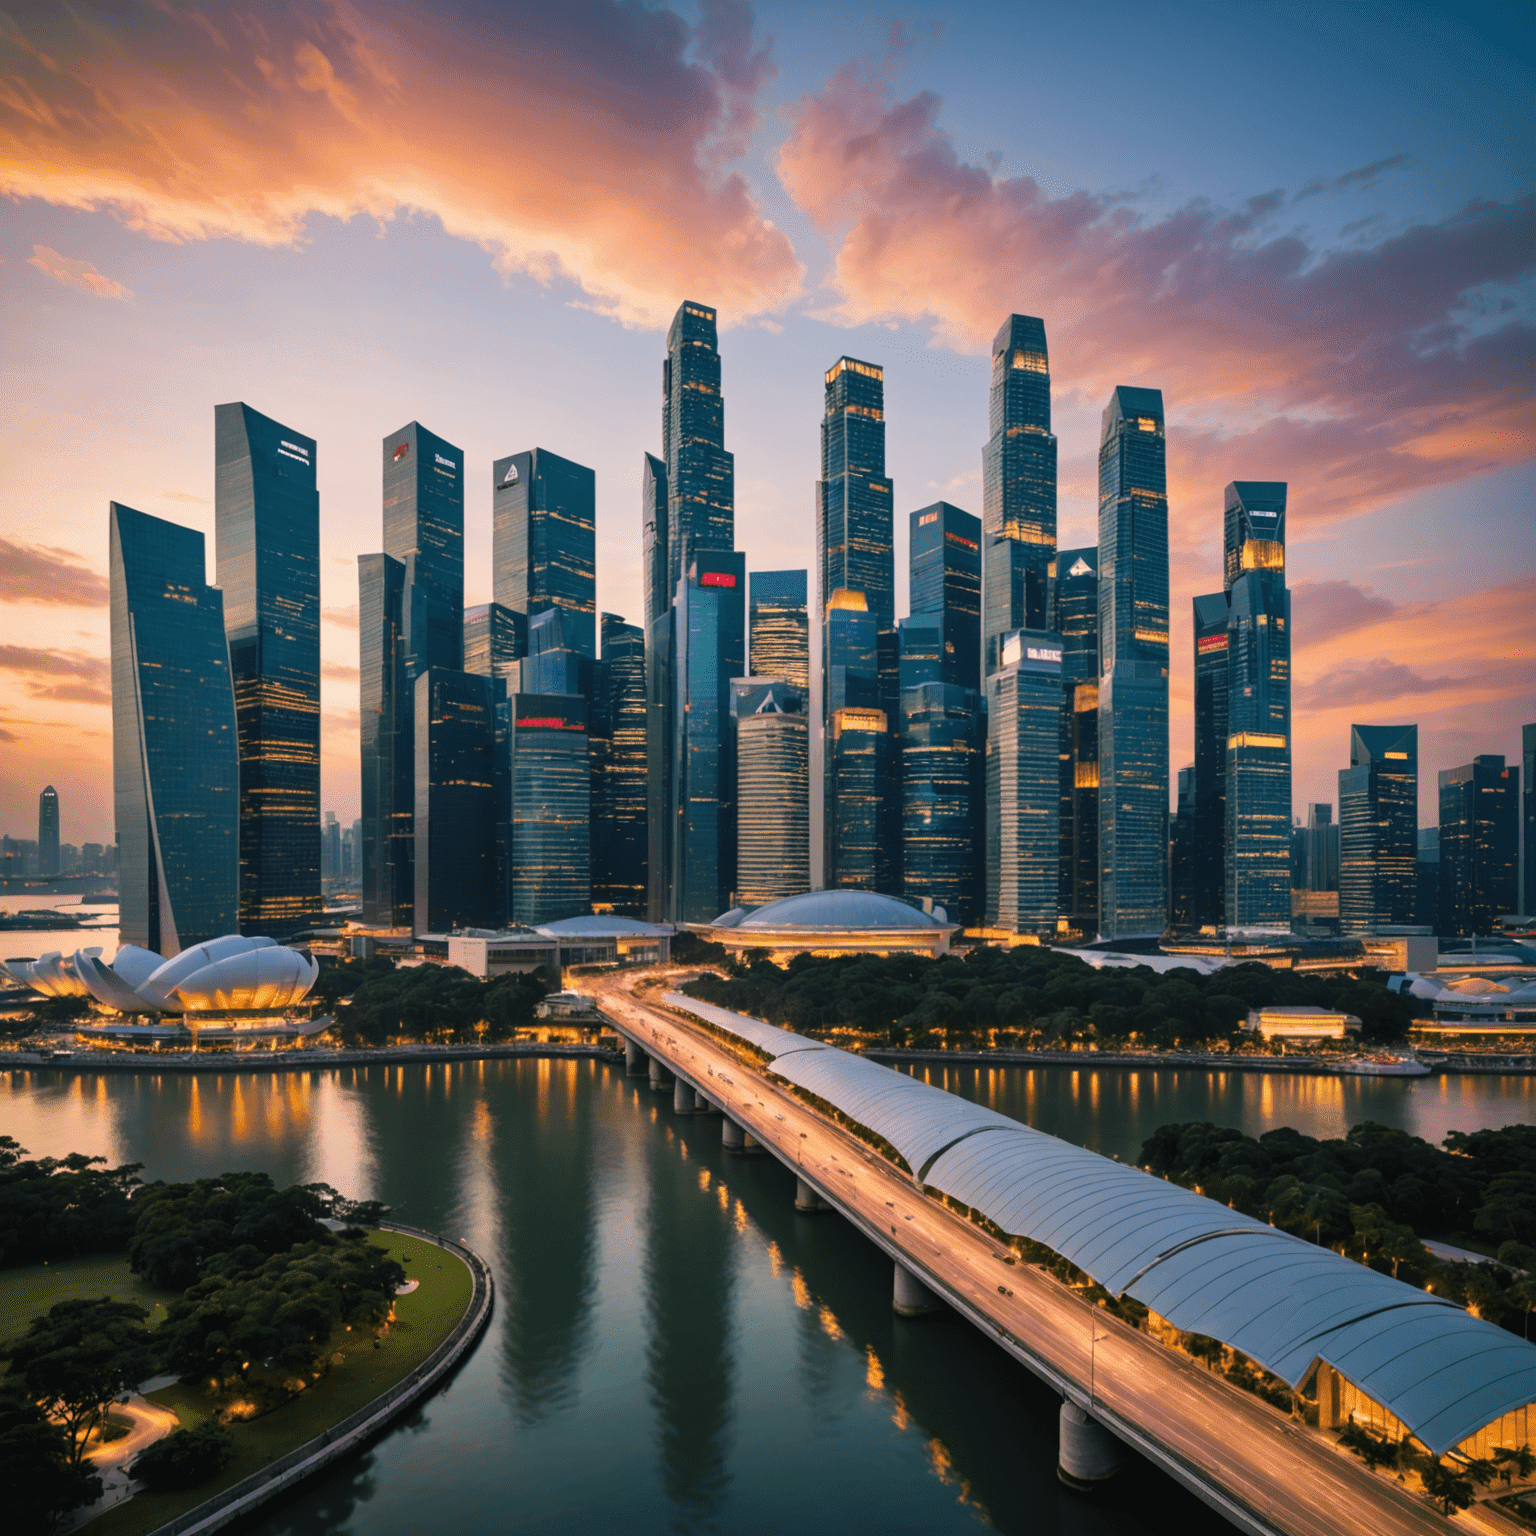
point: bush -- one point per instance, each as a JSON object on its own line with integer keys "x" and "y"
{"x": 185, "y": 1458}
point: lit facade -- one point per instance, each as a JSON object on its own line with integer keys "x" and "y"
{"x": 779, "y": 630}
{"x": 1023, "y": 830}
{"x": 700, "y": 472}
{"x": 267, "y": 550}
{"x": 1133, "y": 661}
{"x": 1378, "y": 823}
{"x": 1208, "y": 898}
{"x": 549, "y": 873}
{"x": 854, "y": 527}
{"x": 619, "y": 806}
{"x": 1074, "y": 592}
{"x": 863, "y": 808}
{"x": 1479, "y": 845}
{"x": 544, "y": 540}
{"x": 48, "y": 832}
{"x": 495, "y": 640}
{"x": 1018, "y": 511}
{"x": 175, "y": 761}
{"x": 850, "y": 680}
{"x": 945, "y": 578}
{"x": 943, "y": 799}
{"x": 773, "y": 829}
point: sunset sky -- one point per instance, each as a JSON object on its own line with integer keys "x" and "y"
{"x": 1312, "y": 225}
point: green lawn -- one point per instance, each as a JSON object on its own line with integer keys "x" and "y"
{"x": 422, "y": 1319}
{"x": 29, "y": 1292}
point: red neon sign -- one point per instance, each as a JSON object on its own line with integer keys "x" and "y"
{"x": 547, "y": 723}
{"x": 401, "y": 451}
{"x": 717, "y": 579}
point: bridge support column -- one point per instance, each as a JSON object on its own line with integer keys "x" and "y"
{"x": 682, "y": 1098}
{"x": 634, "y": 1059}
{"x": 702, "y": 1105}
{"x": 660, "y": 1077}
{"x": 1089, "y": 1455}
{"x": 732, "y": 1137}
{"x": 910, "y": 1296}
{"x": 807, "y": 1201}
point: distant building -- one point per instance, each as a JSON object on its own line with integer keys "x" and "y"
{"x": 1301, "y": 1022}
{"x": 1322, "y": 843}
{"x": 175, "y": 763}
{"x": 1181, "y": 856}
{"x": 943, "y": 796}
{"x": 495, "y": 641}
{"x": 778, "y": 624}
{"x": 1075, "y": 617}
{"x": 773, "y": 830}
{"x": 850, "y": 680}
{"x": 944, "y": 569}
{"x": 1426, "y": 911}
{"x": 551, "y": 807}
{"x": 830, "y": 923}
{"x": 1133, "y": 660}
{"x": 1378, "y": 828}
{"x": 854, "y": 533}
{"x": 48, "y": 832}
{"x": 1528, "y": 818}
{"x": 1479, "y": 845}
{"x": 863, "y": 812}
{"x": 267, "y": 544}
{"x": 619, "y": 806}
{"x": 331, "y": 866}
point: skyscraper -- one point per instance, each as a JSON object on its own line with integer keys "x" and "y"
{"x": 495, "y": 640}
{"x": 1023, "y": 784}
{"x": 1181, "y": 848}
{"x": 854, "y": 533}
{"x": 619, "y": 811}
{"x": 1322, "y": 849}
{"x": 544, "y": 541}
{"x": 945, "y": 578}
{"x": 424, "y": 530}
{"x": 48, "y": 832}
{"x": 943, "y": 793}
{"x": 267, "y": 549}
{"x": 1133, "y": 661}
{"x": 1528, "y": 817}
{"x": 850, "y": 680}
{"x": 175, "y": 758}
{"x": 778, "y": 626}
{"x": 1479, "y": 844}
{"x": 773, "y": 846}
{"x": 455, "y": 821}
{"x": 1258, "y": 755}
{"x": 1074, "y": 593}
{"x": 551, "y": 809}
{"x": 701, "y": 474}
{"x": 1378, "y": 824}
{"x": 863, "y": 808}
{"x": 1426, "y": 912}
{"x": 1208, "y": 865}
{"x": 1018, "y": 511}
{"x": 653, "y": 522}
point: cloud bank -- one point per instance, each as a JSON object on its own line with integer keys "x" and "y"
{"x": 79, "y": 275}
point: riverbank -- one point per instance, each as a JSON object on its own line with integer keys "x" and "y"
{"x": 308, "y": 1060}
{"x": 1204, "y": 1061}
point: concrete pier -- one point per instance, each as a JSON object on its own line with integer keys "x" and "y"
{"x": 732, "y": 1137}
{"x": 660, "y": 1077}
{"x": 910, "y": 1296}
{"x": 634, "y": 1060}
{"x": 682, "y": 1098}
{"x": 702, "y": 1105}
{"x": 1089, "y": 1454}
{"x": 807, "y": 1201}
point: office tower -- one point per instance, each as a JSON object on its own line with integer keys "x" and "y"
{"x": 267, "y": 552}
{"x": 1479, "y": 845}
{"x": 495, "y": 640}
{"x": 1181, "y": 862}
{"x": 1133, "y": 663}
{"x": 1426, "y": 912}
{"x": 175, "y": 753}
{"x": 1378, "y": 824}
{"x": 331, "y": 867}
{"x": 423, "y": 479}
{"x": 1208, "y": 849}
{"x": 1322, "y": 844}
{"x": 544, "y": 541}
{"x": 387, "y": 717}
{"x": 773, "y": 829}
{"x": 701, "y": 475}
{"x": 455, "y": 823}
{"x": 1018, "y": 511}
{"x": 1023, "y": 784}
{"x": 863, "y": 806}
{"x": 778, "y": 626}
{"x": 850, "y": 653}
{"x": 48, "y": 832}
{"x": 555, "y": 661}
{"x": 943, "y": 791}
{"x": 551, "y": 809}
{"x": 850, "y": 680}
{"x": 653, "y": 523}
{"x": 854, "y": 533}
{"x": 1528, "y": 819}
{"x": 945, "y": 577}
{"x": 619, "y": 809}
{"x": 1258, "y": 820}
{"x": 1074, "y": 605}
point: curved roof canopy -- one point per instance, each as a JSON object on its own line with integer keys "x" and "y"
{"x": 834, "y": 912}
{"x": 1280, "y": 1300}
{"x": 601, "y": 927}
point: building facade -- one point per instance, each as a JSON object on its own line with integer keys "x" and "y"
{"x": 943, "y": 795}
{"x": 1208, "y": 866}
{"x": 48, "y": 832}
{"x": 944, "y": 566}
{"x": 1133, "y": 662}
{"x": 1479, "y": 845}
{"x": 854, "y": 520}
{"x": 175, "y": 754}
{"x": 267, "y": 552}
{"x": 863, "y": 807}
{"x": 1074, "y": 591}
{"x": 1528, "y": 819}
{"x": 773, "y": 760}
{"x": 779, "y": 628}
{"x": 619, "y": 809}
{"x": 550, "y": 813}
{"x": 1378, "y": 827}
{"x": 495, "y": 640}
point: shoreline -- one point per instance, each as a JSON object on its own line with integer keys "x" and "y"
{"x": 299, "y": 1061}
{"x": 1319, "y": 1066}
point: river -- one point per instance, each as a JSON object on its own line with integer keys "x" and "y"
{"x": 673, "y": 1349}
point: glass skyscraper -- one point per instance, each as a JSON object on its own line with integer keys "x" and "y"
{"x": 778, "y": 625}
{"x": 773, "y": 833}
{"x": 1024, "y": 784}
{"x": 619, "y": 809}
{"x": 943, "y": 795}
{"x": 1258, "y": 748}
{"x": 267, "y": 550}
{"x": 1479, "y": 845}
{"x": 1528, "y": 817}
{"x": 551, "y": 809}
{"x": 1181, "y": 882}
{"x": 544, "y": 540}
{"x": 495, "y": 640}
{"x": 175, "y": 755}
{"x": 424, "y": 531}
{"x": 1018, "y": 511}
{"x": 854, "y": 532}
{"x": 1074, "y": 592}
{"x": 1208, "y": 898}
{"x": 1133, "y": 662}
{"x": 701, "y": 474}
{"x": 48, "y": 832}
{"x": 944, "y": 568}
{"x": 864, "y": 806}
{"x": 1378, "y": 824}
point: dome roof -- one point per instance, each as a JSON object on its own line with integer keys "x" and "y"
{"x": 269, "y": 977}
{"x": 599, "y": 926}
{"x": 835, "y": 911}
{"x": 159, "y": 988}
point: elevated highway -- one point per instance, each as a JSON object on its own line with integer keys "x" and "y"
{"x": 1262, "y": 1471}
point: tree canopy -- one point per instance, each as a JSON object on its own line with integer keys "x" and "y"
{"x": 61, "y": 1208}
{"x": 41, "y": 1479}
{"x": 375, "y": 1001}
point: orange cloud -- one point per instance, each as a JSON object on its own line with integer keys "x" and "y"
{"x": 80, "y": 275}
{"x": 576, "y": 141}
{"x": 1360, "y": 374}
{"x": 39, "y": 573}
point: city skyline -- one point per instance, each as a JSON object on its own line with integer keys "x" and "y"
{"x": 1409, "y": 554}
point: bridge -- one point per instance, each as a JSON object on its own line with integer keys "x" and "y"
{"x": 1265, "y": 1472}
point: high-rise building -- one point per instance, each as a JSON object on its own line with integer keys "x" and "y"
{"x": 1133, "y": 662}
{"x": 1426, "y": 912}
{"x": 48, "y": 832}
{"x": 1378, "y": 827}
{"x": 551, "y": 809}
{"x": 943, "y": 792}
{"x": 863, "y": 807}
{"x": 619, "y": 809}
{"x": 1181, "y": 851}
{"x": 1258, "y": 810}
{"x": 1074, "y": 606}
{"x": 544, "y": 541}
{"x": 330, "y": 847}
{"x": 701, "y": 474}
{"x": 945, "y": 578}
{"x": 1018, "y": 511}
{"x": 778, "y": 624}
{"x": 1479, "y": 844}
{"x": 267, "y": 550}
{"x": 854, "y": 533}
{"x": 1208, "y": 861}
{"x": 653, "y": 522}
{"x": 175, "y": 755}
{"x": 1322, "y": 841}
{"x": 773, "y": 831}
{"x": 1023, "y": 784}
{"x": 1528, "y": 819}
{"x": 424, "y": 530}
{"x": 387, "y": 715}
{"x": 495, "y": 640}
{"x": 850, "y": 679}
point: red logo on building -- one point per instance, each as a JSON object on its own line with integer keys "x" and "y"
{"x": 717, "y": 579}
{"x": 401, "y": 451}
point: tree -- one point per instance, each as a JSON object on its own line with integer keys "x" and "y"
{"x": 1514, "y": 1461}
{"x": 41, "y": 1480}
{"x": 78, "y": 1357}
{"x": 1377, "y": 1236}
{"x": 59, "y": 1208}
{"x": 185, "y": 1457}
{"x": 1446, "y": 1487}
{"x": 1508, "y": 1211}
{"x": 1203, "y": 1347}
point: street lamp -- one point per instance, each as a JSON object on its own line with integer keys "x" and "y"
{"x": 1093, "y": 1328}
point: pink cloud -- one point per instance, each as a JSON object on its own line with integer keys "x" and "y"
{"x": 38, "y": 573}
{"x": 80, "y": 275}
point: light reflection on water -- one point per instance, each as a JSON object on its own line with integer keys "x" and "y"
{"x": 670, "y": 1340}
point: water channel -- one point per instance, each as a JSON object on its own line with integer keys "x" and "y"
{"x": 673, "y": 1349}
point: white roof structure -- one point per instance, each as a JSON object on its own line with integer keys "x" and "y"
{"x": 602, "y": 926}
{"x": 1282, "y": 1301}
{"x": 833, "y": 912}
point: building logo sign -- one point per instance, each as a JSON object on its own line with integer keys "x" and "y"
{"x": 447, "y": 462}
{"x": 1043, "y": 653}
{"x": 1081, "y": 568}
{"x": 717, "y": 579}
{"x": 400, "y": 451}
{"x": 510, "y": 478}
{"x": 926, "y": 518}
{"x": 548, "y": 723}
{"x": 293, "y": 451}
{"x": 960, "y": 539}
